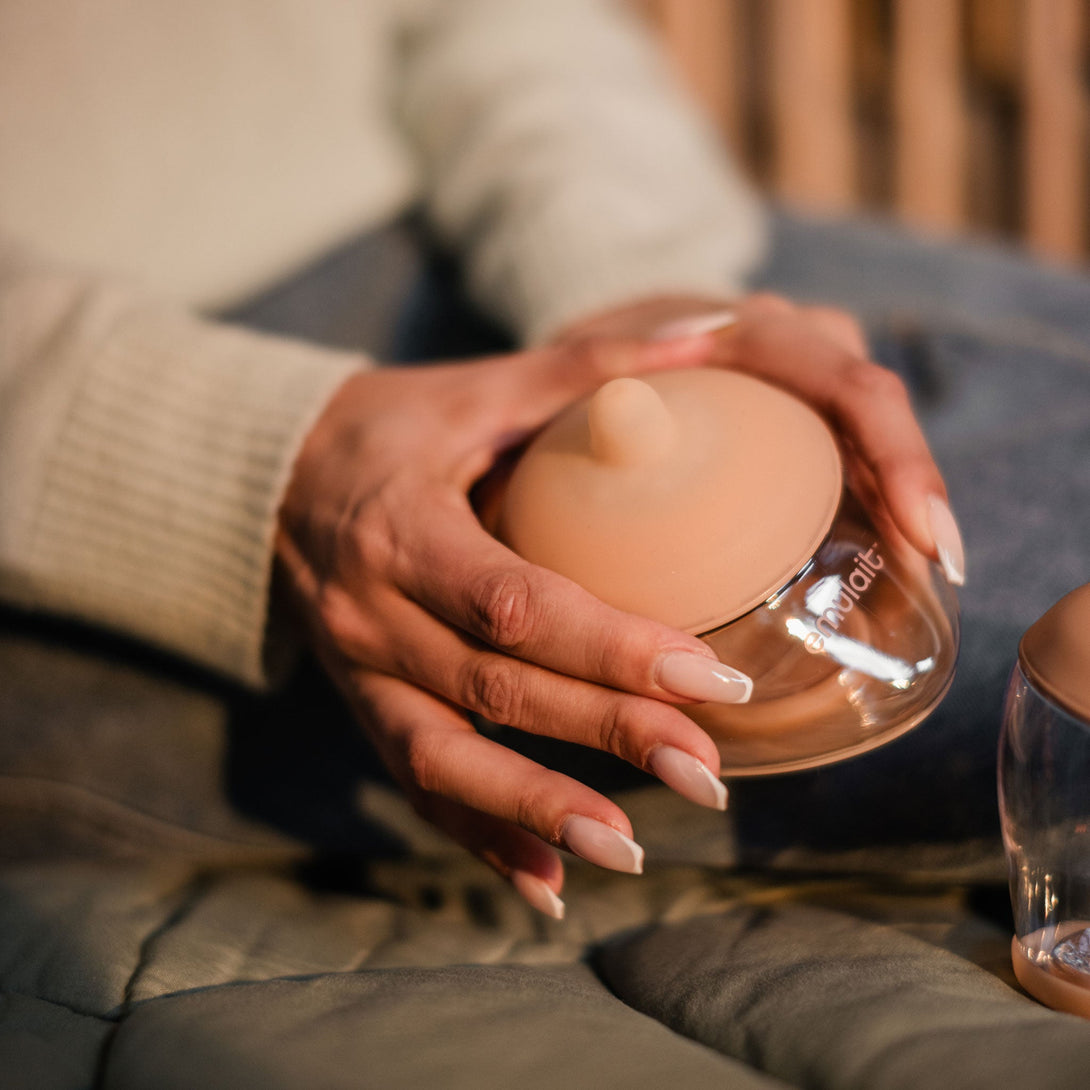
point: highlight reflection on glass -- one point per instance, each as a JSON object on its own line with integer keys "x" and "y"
{"x": 858, "y": 648}
{"x": 1044, "y": 791}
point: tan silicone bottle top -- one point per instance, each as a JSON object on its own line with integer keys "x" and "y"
{"x": 686, "y": 496}
{"x": 1055, "y": 653}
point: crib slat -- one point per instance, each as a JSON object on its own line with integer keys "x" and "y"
{"x": 811, "y": 102}
{"x": 1054, "y": 170}
{"x": 929, "y": 115}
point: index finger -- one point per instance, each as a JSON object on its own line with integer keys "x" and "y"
{"x": 454, "y": 568}
{"x": 867, "y": 404}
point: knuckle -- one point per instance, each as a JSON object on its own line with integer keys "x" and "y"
{"x": 424, "y": 763}
{"x": 503, "y": 605}
{"x": 339, "y": 618}
{"x": 531, "y": 808}
{"x": 494, "y": 690}
{"x": 768, "y": 304}
{"x": 363, "y": 543}
{"x": 617, "y": 651}
{"x": 866, "y": 382}
{"x": 618, "y": 730}
{"x": 599, "y": 359}
{"x": 904, "y": 466}
{"x": 612, "y": 736}
{"x": 833, "y": 315}
{"x": 371, "y": 544}
{"x": 373, "y": 527}
{"x": 840, "y": 324}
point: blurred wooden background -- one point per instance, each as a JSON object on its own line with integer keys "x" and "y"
{"x": 952, "y": 114}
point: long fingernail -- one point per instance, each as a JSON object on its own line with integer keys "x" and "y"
{"x": 598, "y": 843}
{"x": 537, "y": 894}
{"x": 695, "y": 325}
{"x": 688, "y": 776}
{"x": 947, "y": 538}
{"x": 699, "y": 677}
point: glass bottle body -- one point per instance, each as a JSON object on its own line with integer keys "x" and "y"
{"x": 856, "y": 649}
{"x": 1044, "y": 799}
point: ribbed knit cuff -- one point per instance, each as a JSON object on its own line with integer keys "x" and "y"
{"x": 158, "y": 504}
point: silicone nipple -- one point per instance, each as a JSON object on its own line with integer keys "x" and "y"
{"x": 684, "y": 496}
{"x": 629, "y": 424}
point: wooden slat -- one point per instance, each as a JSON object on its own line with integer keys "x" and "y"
{"x": 811, "y": 102}
{"x": 993, "y": 40}
{"x": 776, "y": 77}
{"x": 929, "y": 114}
{"x": 701, "y": 36}
{"x": 1054, "y": 168}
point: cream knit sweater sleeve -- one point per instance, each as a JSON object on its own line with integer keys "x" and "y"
{"x": 143, "y": 450}
{"x": 143, "y": 454}
{"x": 564, "y": 164}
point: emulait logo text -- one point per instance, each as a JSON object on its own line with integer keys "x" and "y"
{"x": 866, "y": 567}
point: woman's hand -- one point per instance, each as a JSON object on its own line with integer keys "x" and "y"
{"x": 820, "y": 355}
{"x": 421, "y": 617}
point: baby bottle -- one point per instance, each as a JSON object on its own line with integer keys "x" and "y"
{"x": 1044, "y": 793}
{"x": 716, "y": 503}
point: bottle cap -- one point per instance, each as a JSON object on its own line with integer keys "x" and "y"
{"x": 1055, "y": 653}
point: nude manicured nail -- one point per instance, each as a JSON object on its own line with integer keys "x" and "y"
{"x": 688, "y": 776}
{"x": 598, "y": 843}
{"x": 698, "y": 677}
{"x": 695, "y": 325}
{"x": 947, "y": 538}
{"x": 537, "y": 894}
